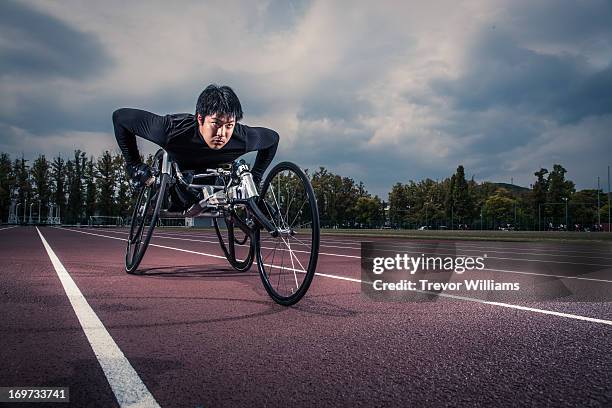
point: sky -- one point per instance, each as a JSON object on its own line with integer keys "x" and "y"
{"x": 382, "y": 92}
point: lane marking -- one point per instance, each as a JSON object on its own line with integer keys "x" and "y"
{"x": 5, "y": 228}
{"x": 413, "y": 245}
{"x": 125, "y": 383}
{"x": 443, "y": 244}
{"x": 481, "y": 301}
{"x": 217, "y": 243}
{"x": 341, "y": 255}
{"x": 506, "y": 305}
{"x": 390, "y": 250}
{"x": 547, "y": 274}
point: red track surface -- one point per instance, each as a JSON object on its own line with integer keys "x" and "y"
{"x": 199, "y": 334}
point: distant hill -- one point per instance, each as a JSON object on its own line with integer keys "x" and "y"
{"x": 512, "y": 187}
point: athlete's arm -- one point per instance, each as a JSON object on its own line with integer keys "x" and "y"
{"x": 265, "y": 141}
{"x": 131, "y": 122}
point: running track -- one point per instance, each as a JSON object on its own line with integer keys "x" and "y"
{"x": 191, "y": 332}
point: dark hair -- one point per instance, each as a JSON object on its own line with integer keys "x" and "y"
{"x": 220, "y": 100}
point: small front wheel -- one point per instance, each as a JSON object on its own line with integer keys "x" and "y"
{"x": 287, "y": 261}
{"x": 237, "y": 240}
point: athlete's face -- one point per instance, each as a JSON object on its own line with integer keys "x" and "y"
{"x": 216, "y": 130}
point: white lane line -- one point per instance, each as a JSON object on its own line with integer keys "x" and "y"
{"x": 413, "y": 245}
{"x": 414, "y": 240}
{"x": 5, "y": 228}
{"x": 127, "y": 386}
{"x": 485, "y": 302}
{"x": 506, "y": 305}
{"x": 155, "y": 245}
{"x": 547, "y": 274}
{"x": 216, "y": 242}
{"x": 353, "y": 256}
{"x": 463, "y": 243}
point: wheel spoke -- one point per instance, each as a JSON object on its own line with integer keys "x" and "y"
{"x": 271, "y": 251}
{"x": 291, "y": 256}
{"x": 270, "y": 214}
{"x": 282, "y": 269}
{"x": 280, "y": 213}
{"x": 298, "y": 213}
{"x": 302, "y": 242}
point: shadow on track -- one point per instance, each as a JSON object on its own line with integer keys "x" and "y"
{"x": 190, "y": 271}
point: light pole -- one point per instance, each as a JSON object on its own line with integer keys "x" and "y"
{"x": 24, "y": 209}
{"x": 39, "y": 211}
{"x": 566, "y": 226}
{"x": 609, "y": 225}
{"x": 30, "y": 219}
{"x": 426, "y": 213}
{"x": 408, "y": 215}
{"x": 17, "y": 213}
{"x": 598, "y": 211}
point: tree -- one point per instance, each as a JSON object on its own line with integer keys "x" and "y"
{"x": 90, "y": 188}
{"x": 22, "y": 179}
{"x": 41, "y": 176}
{"x": 75, "y": 210}
{"x": 7, "y": 180}
{"x": 500, "y": 207}
{"x": 462, "y": 203}
{"x": 559, "y": 191}
{"x": 106, "y": 184}
{"x": 58, "y": 184}
{"x": 368, "y": 211}
{"x": 125, "y": 194}
{"x": 399, "y": 205}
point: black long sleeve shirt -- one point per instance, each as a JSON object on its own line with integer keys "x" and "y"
{"x": 179, "y": 135}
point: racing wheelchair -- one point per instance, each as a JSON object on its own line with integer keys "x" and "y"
{"x": 276, "y": 227}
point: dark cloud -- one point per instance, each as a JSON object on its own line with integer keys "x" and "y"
{"x": 580, "y": 23}
{"x": 42, "y": 46}
{"x": 542, "y": 58}
{"x": 40, "y": 113}
{"x": 499, "y": 73}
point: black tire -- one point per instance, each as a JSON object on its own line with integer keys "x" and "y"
{"x": 288, "y": 201}
{"x": 144, "y": 219}
{"x": 237, "y": 233}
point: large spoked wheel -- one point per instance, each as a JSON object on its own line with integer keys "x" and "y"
{"x": 236, "y": 240}
{"x": 144, "y": 219}
{"x": 287, "y": 262}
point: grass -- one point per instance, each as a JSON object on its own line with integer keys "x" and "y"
{"x": 470, "y": 235}
{"x": 477, "y": 235}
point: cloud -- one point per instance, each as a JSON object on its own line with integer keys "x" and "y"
{"x": 498, "y": 73}
{"x": 35, "y": 44}
{"x": 18, "y": 140}
{"x": 385, "y": 93}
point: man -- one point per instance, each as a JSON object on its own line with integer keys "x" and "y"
{"x": 207, "y": 139}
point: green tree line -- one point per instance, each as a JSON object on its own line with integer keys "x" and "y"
{"x": 75, "y": 188}
{"x": 83, "y": 186}
{"x": 459, "y": 203}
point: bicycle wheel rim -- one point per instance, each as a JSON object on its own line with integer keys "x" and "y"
{"x": 144, "y": 221}
{"x": 236, "y": 244}
{"x": 287, "y": 262}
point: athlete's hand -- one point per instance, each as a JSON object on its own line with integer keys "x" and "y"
{"x": 140, "y": 175}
